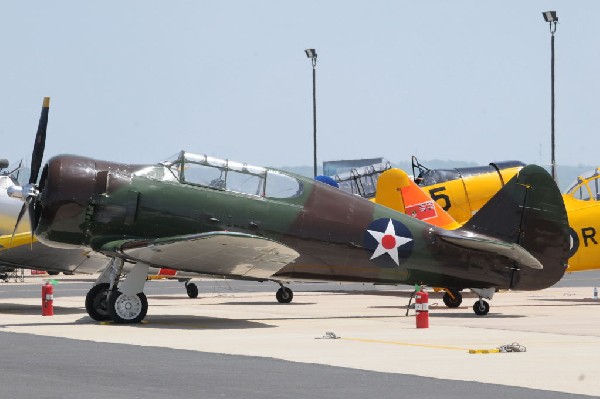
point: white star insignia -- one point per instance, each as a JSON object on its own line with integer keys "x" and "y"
{"x": 388, "y": 242}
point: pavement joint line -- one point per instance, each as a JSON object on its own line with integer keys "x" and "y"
{"x": 377, "y": 341}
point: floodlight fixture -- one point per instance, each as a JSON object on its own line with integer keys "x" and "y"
{"x": 312, "y": 54}
{"x": 550, "y": 16}
{"x": 552, "y": 19}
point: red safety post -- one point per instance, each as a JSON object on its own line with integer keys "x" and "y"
{"x": 47, "y": 299}
{"x": 422, "y": 308}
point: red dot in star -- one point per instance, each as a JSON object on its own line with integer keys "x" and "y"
{"x": 388, "y": 241}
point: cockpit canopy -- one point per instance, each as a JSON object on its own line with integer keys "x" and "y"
{"x": 428, "y": 177}
{"x": 362, "y": 180}
{"x": 222, "y": 174}
{"x": 586, "y": 187}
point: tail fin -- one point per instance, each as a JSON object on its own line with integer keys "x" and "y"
{"x": 529, "y": 211}
{"x": 397, "y": 191}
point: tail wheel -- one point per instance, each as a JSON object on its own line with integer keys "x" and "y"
{"x": 452, "y": 302}
{"x": 127, "y": 309}
{"x": 96, "y": 302}
{"x": 481, "y": 308}
{"x": 284, "y": 295}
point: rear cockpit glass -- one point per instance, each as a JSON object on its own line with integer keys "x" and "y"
{"x": 282, "y": 186}
{"x": 219, "y": 174}
{"x": 244, "y": 183}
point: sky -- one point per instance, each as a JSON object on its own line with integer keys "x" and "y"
{"x": 138, "y": 81}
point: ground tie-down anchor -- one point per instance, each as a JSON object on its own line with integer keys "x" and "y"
{"x": 329, "y": 335}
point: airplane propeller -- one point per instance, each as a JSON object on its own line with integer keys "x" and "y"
{"x": 30, "y": 192}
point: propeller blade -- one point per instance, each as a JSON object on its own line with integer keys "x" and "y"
{"x": 21, "y": 213}
{"x": 31, "y": 211}
{"x": 40, "y": 142}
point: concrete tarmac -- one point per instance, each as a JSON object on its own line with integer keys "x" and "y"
{"x": 242, "y": 341}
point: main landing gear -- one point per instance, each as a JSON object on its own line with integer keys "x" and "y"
{"x": 120, "y": 302}
{"x": 284, "y": 294}
{"x": 452, "y": 298}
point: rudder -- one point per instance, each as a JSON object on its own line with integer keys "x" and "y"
{"x": 529, "y": 210}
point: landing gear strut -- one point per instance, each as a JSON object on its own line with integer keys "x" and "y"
{"x": 120, "y": 302}
{"x": 284, "y": 294}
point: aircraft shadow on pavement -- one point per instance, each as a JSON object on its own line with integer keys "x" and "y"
{"x": 154, "y": 298}
{"x": 265, "y": 303}
{"x": 471, "y": 315}
{"x": 21, "y": 309}
{"x": 190, "y": 322}
{"x": 197, "y": 301}
{"x": 399, "y": 294}
{"x": 451, "y": 313}
{"x": 588, "y": 301}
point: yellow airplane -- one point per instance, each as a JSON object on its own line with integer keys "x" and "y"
{"x": 582, "y": 201}
{"x": 462, "y": 192}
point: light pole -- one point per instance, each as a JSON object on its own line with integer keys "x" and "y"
{"x": 312, "y": 54}
{"x": 552, "y": 19}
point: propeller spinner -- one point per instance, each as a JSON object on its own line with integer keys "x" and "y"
{"x": 30, "y": 192}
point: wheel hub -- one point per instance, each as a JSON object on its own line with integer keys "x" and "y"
{"x": 128, "y": 307}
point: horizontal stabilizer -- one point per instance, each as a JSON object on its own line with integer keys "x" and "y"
{"x": 214, "y": 253}
{"x": 514, "y": 252}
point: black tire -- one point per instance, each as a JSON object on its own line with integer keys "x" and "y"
{"x": 481, "y": 308}
{"x": 452, "y": 303}
{"x": 192, "y": 290}
{"x": 284, "y": 295}
{"x": 96, "y": 302}
{"x": 126, "y": 309}
{"x": 52, "y": 273}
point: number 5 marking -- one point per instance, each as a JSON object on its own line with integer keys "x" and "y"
{"x": 435, "y": 196}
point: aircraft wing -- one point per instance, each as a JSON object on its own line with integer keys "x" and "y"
{"x": 216, "y": 253}
{"x": 21, "y": 251}
{"x": 481, "y": 243}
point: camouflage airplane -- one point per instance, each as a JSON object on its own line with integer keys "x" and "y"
{"x": 210, "y": 216}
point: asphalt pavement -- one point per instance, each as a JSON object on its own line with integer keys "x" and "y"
{"x": 235, "y": 341}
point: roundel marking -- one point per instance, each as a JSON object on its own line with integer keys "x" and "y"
{"x": 573, "y": 241}
{"x": 388, "y": 236}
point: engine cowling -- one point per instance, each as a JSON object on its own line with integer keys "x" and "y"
{"x": 67, "y": 187}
